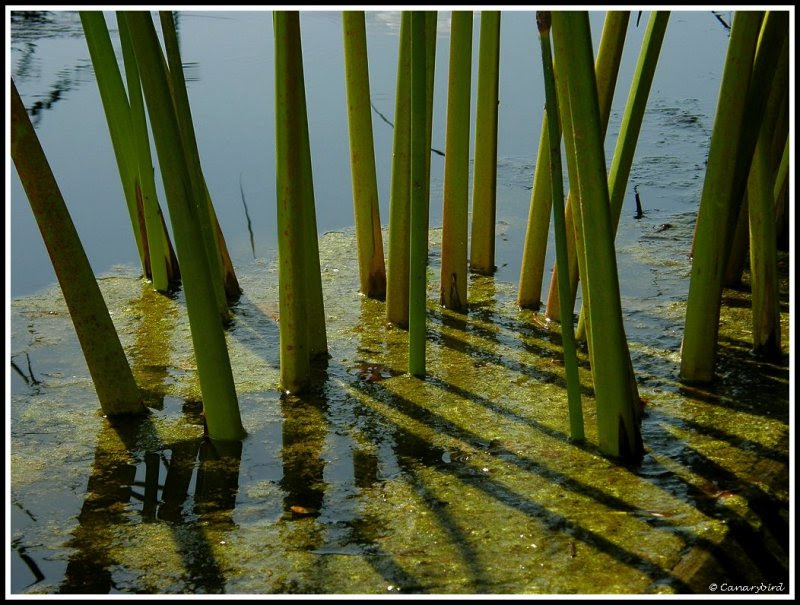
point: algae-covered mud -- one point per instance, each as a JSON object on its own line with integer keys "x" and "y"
{"x": 380, "y": 483}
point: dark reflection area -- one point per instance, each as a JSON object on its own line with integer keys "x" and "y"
{"x": 304, "y": 431}
{"x": 756, "y": 547}
{"x": 130, "y": 485}
{"x": 412, "y": 450}
{"x": 26, "y": 374}
{"x": 157, "y": 317}
{"x": 256, "y": 328}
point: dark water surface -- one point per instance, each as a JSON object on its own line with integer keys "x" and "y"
{"x": 375, "y": 482}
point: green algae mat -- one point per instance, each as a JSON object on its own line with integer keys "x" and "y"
{"x": 379, "y": 483}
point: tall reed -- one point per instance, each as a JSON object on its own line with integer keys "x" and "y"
{"x": 163, "y": 262}
{"x": 609, "y": 56}
{"x": 220, "y": 405}
{"x": 400, "y": 192}
{"x": 199, "y": 192}
{"x": 369, "y": 240}
{"x": 312, "y": 276}
{"x": 632, "y": 119}
{"x": 698, "y": 349}
{"x": 113, "y": 380}
{"x": 554, "y": 134}
{"x": 617, "y": 409}
{"x": 453, "y": 282}
{"x": 763, "y": 237}
{"x": 122, "y": 117}
{"x": 484, "y": 179}
{"x": 420, "y": 148}
{"x": 536, "y": 234}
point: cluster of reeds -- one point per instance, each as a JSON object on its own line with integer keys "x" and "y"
{"x": 747, "y": 127}
{"x": 579, "y": 90}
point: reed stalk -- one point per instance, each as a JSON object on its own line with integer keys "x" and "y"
{"x": 312, "y": 276}
{"x": 199, "y": 192}
{"x": 419, "y": 149}
{"x": 220, "y": 405}
{"x": 632, "y": 122}
{"x": 113, "y": 380}
{"x": 163, "y": 262}
{"x": 430, "y": 70}
{"x": 567, "y": 333}
{"x": 617, "y": 406}
{"x": 295, "y": 355}
{"x": 453, "y": 281}
{"x": 117, "y": 111}
{"x": 484, "y": 183}
{"x": 536, "y": 235}
{"x": 573, "y": 219}
{"x": 698, "y": 349}
{"x": 400, "y": 193}
{"x": 369, "y": 240}
{"x": 763, "y": 237}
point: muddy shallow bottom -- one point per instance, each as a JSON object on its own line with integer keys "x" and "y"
{"x": 379, "y": 483}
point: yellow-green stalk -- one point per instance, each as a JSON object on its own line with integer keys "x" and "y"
{"x": 632, "y": 120}
{"x": 371, "y": 267}
{"x": 698, "y": 349}
{"x": 117, "y": 111}
{"x": 420, "y": 148}
{"x": 453, "y": 283}
{"x": 163, "y": 262}
{"x": 113, "y": 380}
{"x": 763, "y": 238}
{"x": 315, "y": 309}
{"x": 400, "y": 193}
{"x": 567, "y": 333}
{"x": 484, "y": 187}
{"x": 220, "y": 405}
{"x": 198, "y": 189}
{"x": 617, "y": 410}
{"x": 536, "y": 234}
{"x": 295, "y": 366}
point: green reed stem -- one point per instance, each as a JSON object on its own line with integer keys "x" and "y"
{"x": 420, "y": 148}
{"x": 567, "y": 334}
{"x": 312, "y": 275}
{"x": 698, "y": 350}
{"x": 113, "y": 380}
{"x": 484, "y": 188}
{"x": 763, "y": 237}
{"x": 191, "y": 153}
{"x": 220, "y": 404}
{"x": 117, "y": 112}
{"x": 163, "y": 262}
{"x": 609, "y": 56}
{"x": 295, "y": 367}
{"x": 371, "y": 267}
{"x": 617, "y": 415}
{"x": 536, "y": 235}
{"x": 400, "y": 194}
{"x": 632, "y": 119}
{"x": 453, "y": 284}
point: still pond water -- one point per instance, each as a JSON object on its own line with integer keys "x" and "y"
{"x": 376, "y": 482}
